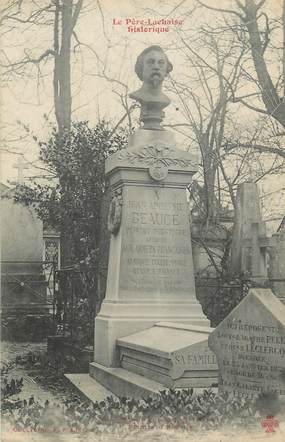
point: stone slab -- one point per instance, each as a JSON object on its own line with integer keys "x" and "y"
{"x": 127, "y": 384}
{"x": 89, "y": 387}
{"x": 175, "y": 355}
{"x": 124, "y": 383}
{"x": 250, "y": 346}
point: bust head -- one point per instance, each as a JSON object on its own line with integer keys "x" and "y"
{"x": 152, "y": 65}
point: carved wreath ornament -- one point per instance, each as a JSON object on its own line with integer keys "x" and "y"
{"x": 158, "y": 157}
{"x": 115, "y": 212}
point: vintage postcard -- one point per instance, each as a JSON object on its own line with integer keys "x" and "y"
{"x": 142, "y": 220}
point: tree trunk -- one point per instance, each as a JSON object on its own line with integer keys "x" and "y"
{"x": 209, "y": 186}
{"x": 64, "y": 23}
{"x": 65, "y": 82}
{"x": 62, "y": 81}
{"x": 275, "y": 106}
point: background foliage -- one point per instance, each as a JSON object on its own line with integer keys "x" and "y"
{"x": 68, "y": 197}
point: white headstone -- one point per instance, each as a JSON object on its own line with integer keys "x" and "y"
{"x": 250, "y": 346}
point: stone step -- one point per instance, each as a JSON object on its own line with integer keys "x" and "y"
{"x": 89, "y": 387}
{"x": 124, "y": 383}
{"x": 103, "y": 382}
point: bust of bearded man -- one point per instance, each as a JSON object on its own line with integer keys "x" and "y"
{"x": 152, "y": 67}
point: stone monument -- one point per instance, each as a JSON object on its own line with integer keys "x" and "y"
{"x": 249, "y": 346}
{"x": 23, "y": 284}
{"x": 150, "y": 285}
{"x": 250, "y": 243}
{"x": 253, "y": 253}
{"x": 150, "y": 273}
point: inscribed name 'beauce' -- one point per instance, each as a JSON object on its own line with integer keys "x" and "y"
{"x": 156, "y": 253}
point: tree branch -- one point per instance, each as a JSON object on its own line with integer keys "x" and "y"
{"x": 259, "y": 147}
{"x": 228, "y": 11}
{"x": 254, "y": 108}
{"x": 267, "y": 32}
{"x": 31, "y": 60}
{"x": 76, "y": 13}
{"x": 32, "y": 19}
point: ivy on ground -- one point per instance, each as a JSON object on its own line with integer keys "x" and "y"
{"x": 171, "y": 409}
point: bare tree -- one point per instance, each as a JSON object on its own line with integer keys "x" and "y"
{"x": 252, "y": 26}
{"x": 205, "y": 109}
{"x": 61, "y": 16}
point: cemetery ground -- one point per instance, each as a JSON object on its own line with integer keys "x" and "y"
{"x": 41, "y": 404}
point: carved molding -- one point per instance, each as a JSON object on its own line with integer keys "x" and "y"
{"x": 156, "y": 154}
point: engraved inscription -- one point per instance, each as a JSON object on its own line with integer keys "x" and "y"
{"x": 193, "y": 358}
{"x": 156, "y": 253}
{"x": 252, "y": 358}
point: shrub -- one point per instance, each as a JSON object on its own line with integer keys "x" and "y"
{"x": 9, "y": 388}
{"x": 224, "y": 298}
{"x": 69, "y": 199}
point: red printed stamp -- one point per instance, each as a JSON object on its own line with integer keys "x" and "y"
{"x": 270, "y": 423}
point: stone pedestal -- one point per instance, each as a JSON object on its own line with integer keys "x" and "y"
{"x": 150, "y": 272}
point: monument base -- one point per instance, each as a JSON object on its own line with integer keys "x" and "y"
{"x": 166, "y": 355}
{"x": 175, "y": 355}
{"x": 117, "y": 320}
{"x": 120, "y": 383}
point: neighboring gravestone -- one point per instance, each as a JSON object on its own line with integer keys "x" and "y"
{"x": 23, "y": 285}
{"x": 249, "y": 244}
{"x": 250, "y": 346}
